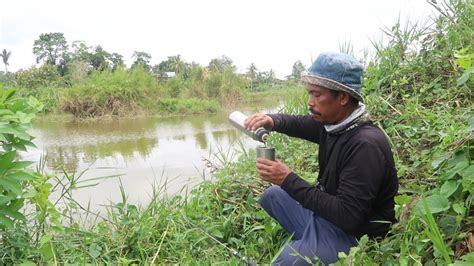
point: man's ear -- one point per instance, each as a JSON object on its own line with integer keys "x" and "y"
{"x": 344, "y": 98}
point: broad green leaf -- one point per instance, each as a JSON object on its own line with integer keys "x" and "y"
{"x": 436, "y": 203}
{"x": 20, "y": 175}
{"x": 18, "y": 104}
{"x": 11, "y": 185}
{"x": 95, "y": 250}
{"x": 261, "y": 215}
{"x": 5, "y": 221}
{"x": 8, "y": 94}
{"x": 4, "y": 199}
{"x": 460, "y": 156}
{"x": 47, "y": 251}
{"x": 468, "y": 173}
{"x": 457, "y": 169}
{"x": 24, "y": 118}
{"x": 470, "y": 122}
{"x": 459, "y": 208}
{"x": 29, "y": 194}
{"x": 12, "y": 130}
{"x": 27, "y": 143}
{"x": 6, "y": 159}
{"x": 4, "y": 112}
{"x": 33, "y": 102}
{"x": 465, "y": 76}
{"x": 464, "y": 62}
{"x": 45, "y": 239}
{"x": 20, "y": 147}
{"x": 20, "y": 164}
{"x": 466, "y": 260}
{"x": 402, "y": 199}
{"x": 448, "y": 188}
{"x": 438, "y": 160}
{"x": 13, "y": 214}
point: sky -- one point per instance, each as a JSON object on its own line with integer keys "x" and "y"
{"x": 270, "y": 34}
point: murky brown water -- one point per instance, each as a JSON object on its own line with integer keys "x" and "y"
{"x": 143, "y": 150}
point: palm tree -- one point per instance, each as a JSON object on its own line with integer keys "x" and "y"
{"x": 5, "y": 56}
{"x": 177, "y": 64}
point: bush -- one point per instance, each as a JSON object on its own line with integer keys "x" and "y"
{"x": 44, "y": 76}
{"x": 21, "y": 189}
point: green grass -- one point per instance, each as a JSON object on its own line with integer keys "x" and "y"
{"x": 421, "y": 98}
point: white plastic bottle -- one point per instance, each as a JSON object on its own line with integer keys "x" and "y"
{"x": 237, "y": 119}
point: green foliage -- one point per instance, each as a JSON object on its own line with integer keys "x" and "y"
{"x": 93, "y": 57}
{"x": 221, "y": 64}
{"x": 110, "y": 93}
{"x": 52, "y": 49}
{"x": 296, "y": 71}
{"x": 175, "y": 86}
{"x": 260, "y": 81}
{"x": 34, "y": 78}
{"x": 5, "y": 56}
{"x": 423, "y": 100}
{"x": 142, "y": 60}
{"x": 418, "y": 89}
{"x": 20, "y": 187}
{"x": 185, "y": 106}
{"x": 226, "y": 86}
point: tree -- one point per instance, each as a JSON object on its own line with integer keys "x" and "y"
{"x": 267, "y": 77}
{"x": 177, "y": 64}
{"x": 141, "y": 59}
{"x": 97, "y": 57}
{"x": 5, "y": 56}
{"x": 221, "y": 63}
{"x": 252, "y": 72}
{"x": 80, "y": 51}
{"x": 173, "y": 64}
{"x": 298, "y": 69}
{"x": 100, "y": 59}
{"x": 116, "y": 60}
{"x": 51, "y": 48}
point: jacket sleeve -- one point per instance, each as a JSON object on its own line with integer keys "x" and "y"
{"x": 304, "y": 127}
{"x": 359, "y": 181}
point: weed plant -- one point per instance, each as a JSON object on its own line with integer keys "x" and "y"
{"x": 418, "y": 89}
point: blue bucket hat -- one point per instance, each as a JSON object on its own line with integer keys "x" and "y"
{"x": 336, "y": 71}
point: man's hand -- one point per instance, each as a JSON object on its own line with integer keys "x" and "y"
{"x": 272, "y": 171}
{"x": 258, "y": 120}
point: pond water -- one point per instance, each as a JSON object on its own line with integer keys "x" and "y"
{"x": 168, "y": 152}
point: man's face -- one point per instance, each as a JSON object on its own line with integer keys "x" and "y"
{"x": 325, "y": 107}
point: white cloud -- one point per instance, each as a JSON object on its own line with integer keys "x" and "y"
{"x": 271, "y": 34}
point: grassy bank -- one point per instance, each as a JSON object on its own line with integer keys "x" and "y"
{"x": 137, "y": 91}
{"x": 422, "y": 99}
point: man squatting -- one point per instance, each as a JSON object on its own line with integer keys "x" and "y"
{"x": 357, "y": 179}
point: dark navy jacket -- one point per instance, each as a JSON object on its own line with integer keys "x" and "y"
{"x": 357, "y": 178}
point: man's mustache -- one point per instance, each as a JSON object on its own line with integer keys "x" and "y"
{"x": 314, "y": 112}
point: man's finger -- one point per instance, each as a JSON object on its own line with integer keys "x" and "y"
{"x": 258, "y": 122}
{"x": 264, "y": 167}
{"x": 264, "y": 172}
{"x": 265, "y": 177}
{"x": 265, "y": 161}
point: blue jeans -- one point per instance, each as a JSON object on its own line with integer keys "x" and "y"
{"x": 314, "y": 237}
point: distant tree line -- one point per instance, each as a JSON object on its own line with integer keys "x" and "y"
{"x": 79, "y": 60}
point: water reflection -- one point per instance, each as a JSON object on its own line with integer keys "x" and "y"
{"x": 144, "y": 150}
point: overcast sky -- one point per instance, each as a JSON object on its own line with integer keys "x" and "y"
{"x": 270, "y": 34}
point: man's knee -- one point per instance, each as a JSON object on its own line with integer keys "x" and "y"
{"x": 270, "y": 195}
